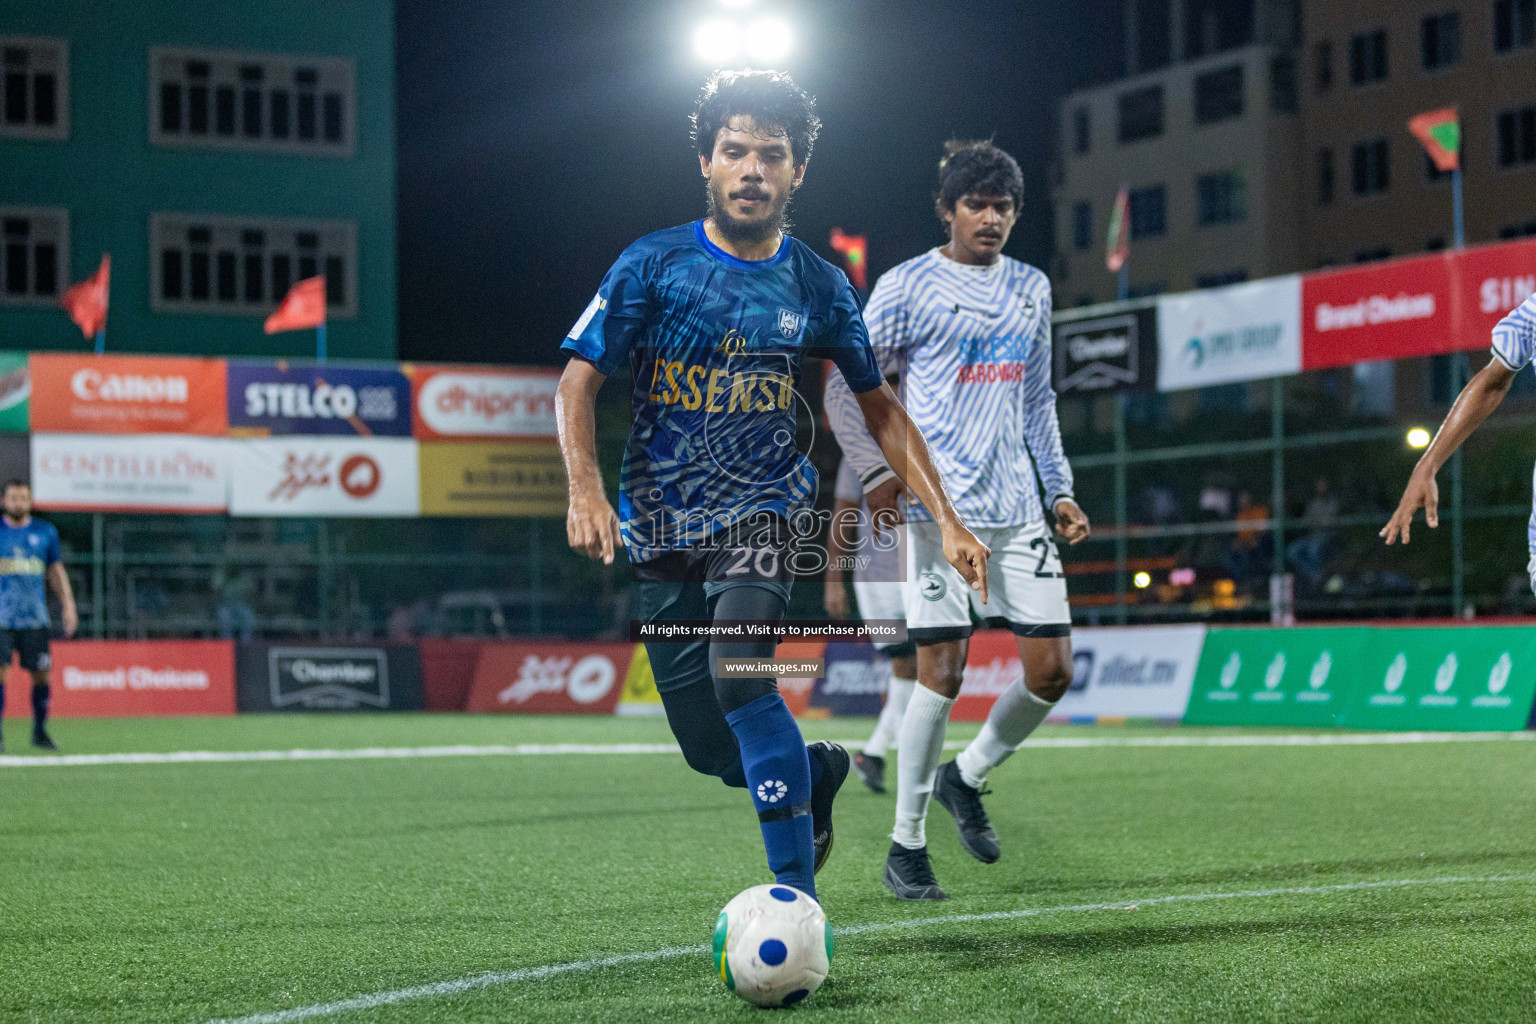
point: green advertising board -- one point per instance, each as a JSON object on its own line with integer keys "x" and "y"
{"x": 15, "y": 392}
{"x": 1438, "y": 678}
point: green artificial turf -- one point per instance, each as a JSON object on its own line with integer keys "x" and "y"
{"x": 190, "y": 892}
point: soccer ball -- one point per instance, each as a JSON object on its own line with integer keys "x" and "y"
{"x": 772, "y": 945}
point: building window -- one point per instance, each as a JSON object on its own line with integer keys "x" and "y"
{"x": 34, "y": 92}
{"x": 1514, "y": 24}
{"x": 1372, "y": 255}
{"x": 1082, "y": 136}
{"x": 1368, "y": 57}
{"x": 1154, "y": 34}
{"x": 1283, "y": 88}
{"x": 1517, "y": 137}
{"x": 1141, "y": 114}
{"x": 1526, "y": 230}
{"x": 1082, "y": 225}
{"x": 1440, "y": 40}
{"x": 34, "y": 255}
{"x": 1222, "y": 279}
{"x": 1219, "y": 95}
{"x": 1324, "y": 177}
{"x": 1322, "y": 65}
{"x": 1222, "y": 198}
{"x": 1435, "y": 244}
{"x": 1369, "y": 172}
{"x": 1149, "y": 212}
{"x": 234, "y": 265}
{"x": 262, "y": 102}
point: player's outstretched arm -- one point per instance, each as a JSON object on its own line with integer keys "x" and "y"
{"x": 906, "y": 452}
{"x": 1477, "y": 400}
{"x": 591, "y": 526}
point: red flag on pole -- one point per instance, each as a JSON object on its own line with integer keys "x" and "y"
{"x": 855, "y": 250}
{"x": 86, "y": 302}
{"x": 304, "y": 306}
{"x": 1117, "y": 247}
{"x": 1439, "y": 131}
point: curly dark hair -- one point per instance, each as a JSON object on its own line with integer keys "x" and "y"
{"x": 770, "y": 98}
{"x": 979, "y": 168}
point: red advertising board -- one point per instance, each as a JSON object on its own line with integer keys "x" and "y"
{"x": 1391, "y": 310}
{"x": 550, "y": 678}
{"x": 116, "y": 678}
{"x": 1494, "y": 280}
{"x": 127, "y": 395}
{"x": 991, "y": 666}
{"x": 483, "y": 402}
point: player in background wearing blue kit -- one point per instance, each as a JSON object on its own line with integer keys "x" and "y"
{"x": 714, "y": 320}
{"x": 29, "y": 554}
{"x": 1514, "y": 348}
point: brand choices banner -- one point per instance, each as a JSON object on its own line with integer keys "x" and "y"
{"x": 308, "y": 476}
{"x": 127, "y": 394}
{"x": 132, "y": 473}
{"x": 566, "y": 678}
{"x": 113, "y": 678}
{"x": 330, "y": 677}
{"x": 1390, "y": 310}
{"x": 477, "y": 402}
{"x": 1115, "y": 351}
{"x": 1223, "y": 335}
{"x": 1445, "y": 678}
{"x": 298, "y": 398}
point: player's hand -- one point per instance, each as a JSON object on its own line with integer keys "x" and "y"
{"x": 885, "y": 505}
{"x": 1071, "y": 521}
{"x": 591, "y": 526}
{"x": 835, "y": 599}
{"x": 71, "y": 621}
{"x": 1422, "y": 492}
{"x": 969, "y": 557}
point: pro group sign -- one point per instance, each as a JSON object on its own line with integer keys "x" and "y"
{"x": 295, "y": 398}
{"x": 483, "y": 403}
{"x": 1224, "y": 335}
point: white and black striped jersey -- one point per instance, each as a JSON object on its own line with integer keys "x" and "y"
{"x": 973, "y": 348}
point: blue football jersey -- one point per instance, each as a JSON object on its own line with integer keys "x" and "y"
{"x": 26, "y": 552}
{"x": 716, "y": 347}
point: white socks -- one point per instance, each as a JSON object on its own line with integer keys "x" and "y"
{"x": 896, "y": 697}
{"x": 919, "y": 744}
{"x": 1016, "y": 714}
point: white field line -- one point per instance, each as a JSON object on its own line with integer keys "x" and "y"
{"x": 495, "y": 978}
{"x": 559, "y": 749}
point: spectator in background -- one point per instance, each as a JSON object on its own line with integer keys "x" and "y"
{"x": 1215, "y": 499}
{"x": 1246, "y": 556}
{"x": 237, "y": 619}
{"x": 1309, "y": 553}
{"x": 1159, "y": 506}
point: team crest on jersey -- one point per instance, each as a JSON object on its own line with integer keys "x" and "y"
{"x": 931, "y": 586}
{"x": 789, "y": 322}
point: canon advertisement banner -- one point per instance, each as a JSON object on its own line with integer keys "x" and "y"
{"x": 1390, "y": 310}
{"x": 1130, "y": 672}
{"x": 127, "y": 394}
{"x": 336, "y": 677}
{"x": 134, "y": 473}
{"x": 1225, "y": 335}
{"x": 118, "y": 678}
{"x": 558, "y": 678}
{"x": 1101, "y": 354}
{"x": 299, "y": 476}
{"x": 297, "y": 398}
{"x": 472, "y": 402}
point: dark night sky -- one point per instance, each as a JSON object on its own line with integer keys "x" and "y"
{"x": 537, "y": 140}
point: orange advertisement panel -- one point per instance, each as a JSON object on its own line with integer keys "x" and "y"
{"x": 550, "y": 678}
{"x": 127, "y": 394}
{"x": 120, "y": 678}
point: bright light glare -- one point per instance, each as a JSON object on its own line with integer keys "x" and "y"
{"x": 769, "y": 39}
{"x": 1143, "y": 580}
{"x": 717, "y": 40}
{"x": 738, "y": 4}
{"x": 1418, "y": 437}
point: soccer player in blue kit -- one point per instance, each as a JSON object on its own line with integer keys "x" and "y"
{"x": 715, "y": 319}
{"x": 29, "y": 554}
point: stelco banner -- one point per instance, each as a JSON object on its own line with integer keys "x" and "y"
{"x": 135, "y": 473}
{"x": 336, "y": 677}
{"x": 479, "y": 478}
{"x": 115, "y": 678}
{"x": 564, "y": 678}
{"x": 127, "y": 394}
{"x": 1115, "y": 351}
{"x": 299, "y": 476}
{"x": 483, "y": 402}
{"x": 1438, "y": 678}
{"x": 1224, "y": 335}
{"x": 290, "y": 398}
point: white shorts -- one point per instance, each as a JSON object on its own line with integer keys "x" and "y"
{"x": 1027, "y": 590}
{"x": 881, "y": 601}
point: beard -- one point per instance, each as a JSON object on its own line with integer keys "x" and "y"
{"x": 738, "y": 230}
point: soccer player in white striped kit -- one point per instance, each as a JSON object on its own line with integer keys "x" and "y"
{"x": 969, "y": 332}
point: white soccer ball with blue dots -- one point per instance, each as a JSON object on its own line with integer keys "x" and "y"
{"x": 772, "y": 945}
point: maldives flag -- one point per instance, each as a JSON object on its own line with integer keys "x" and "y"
{"x": 304, "y": 306}
{"x": 855, "y": 250}
{"x": 86, "y": 302}
{"x": 1117, "y": 247}
{"x": 1440, "y": 132}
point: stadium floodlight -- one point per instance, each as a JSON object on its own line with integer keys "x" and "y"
{"x": 1418, "y": 437}
{"x": 717, "y": 40}
{"x": 769, "y": 39}
{"x": 1143, "y": 580}
{"x": 738, "y": 4}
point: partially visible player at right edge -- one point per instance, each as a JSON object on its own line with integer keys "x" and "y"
{"x": 29, "y": 556}
{"x": 1514, "y": 346}
{"x": 969, "y": 332}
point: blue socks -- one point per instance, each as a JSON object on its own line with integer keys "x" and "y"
{"x": 779, "y": 780}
